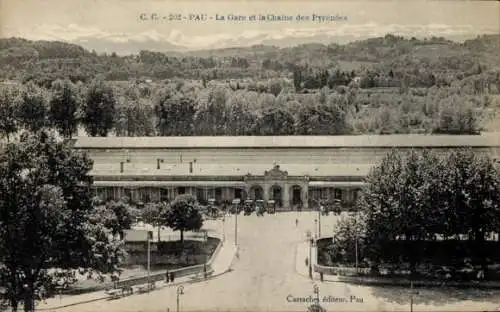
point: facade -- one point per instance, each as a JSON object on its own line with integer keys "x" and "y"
{"x": 297, "y": 172}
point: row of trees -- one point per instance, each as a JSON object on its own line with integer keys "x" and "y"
{"x": 187, "y": 108}
{"x": 424, "y": 196}
{"x": 51, "y": 224}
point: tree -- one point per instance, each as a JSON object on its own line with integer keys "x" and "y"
{"x": 211, "y": 115}
{"x": 175, "y": 113}
{"x": 8, "y": 120}
{"x": 275, "y": 121}
{"x": 46, "y": 218}
{"x": 32, "y": 108}
{"x": 63, "y": 108}
{"x": 99, "y": 109}
{"x": 184, "y": 215}
{"x": 456, "y": 117}
{"x": 154, "y": 214}
{"x": 418, "y": 196}
{"x": 115, "y": 216}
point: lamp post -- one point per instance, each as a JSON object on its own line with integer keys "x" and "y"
{"x": 310, "y": 260}
{"x": 356, "y": 239}
{"x": 150, "y": 236}
{"x": 316, "y": 291}
{"x": 180, "y": 291}
{"x": 223, "y": 229}
{"x": 236, "y": 203}
{"x": 319, "y": 218}
{"x": 316, "y": 226}
{"x": 236, "y": 228}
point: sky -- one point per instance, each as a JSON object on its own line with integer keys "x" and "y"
{"x": 118, "y": 22}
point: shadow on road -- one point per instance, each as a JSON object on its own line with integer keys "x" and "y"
{"x": 435, "y": 296}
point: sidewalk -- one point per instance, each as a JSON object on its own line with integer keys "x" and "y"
{"x": 303, "y": 252}
{"x": 224, "y": 259}
{"x": 221, "y": 264}
{"x": 300, "y": 262}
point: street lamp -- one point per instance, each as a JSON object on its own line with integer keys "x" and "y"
{"x": 236, "y": 203}
{"x": 356, "y": 239}
{"x": 150, "y": 237}
{"x": 412, "y": 293}
{"x": 310, "y": 259}
{"x": 180, "y": 291}
{"x": 316, "y": 291}
{"x": 316, "y": 226}
{"x": 320, "y": 207}
{"x": 223, "y": 229}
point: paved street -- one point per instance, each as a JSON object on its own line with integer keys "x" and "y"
{"x": 265, "y": 274}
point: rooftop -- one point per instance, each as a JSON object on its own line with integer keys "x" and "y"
{"x": 233, "y": 170}
{"x": 490, "y": 139}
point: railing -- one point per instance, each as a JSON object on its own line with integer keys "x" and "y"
{"x": 181, "y": 272}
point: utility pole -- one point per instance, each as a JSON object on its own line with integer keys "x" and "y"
{"x": 411, "y": 296}
{"x": 310, "y": 259}
{"x": 180, "y": 291}
{"x": 236, "y": 228}
{"x": 319, "y": 220}
{"x": 356, "y": 240}
{"x": 150, "y": 235}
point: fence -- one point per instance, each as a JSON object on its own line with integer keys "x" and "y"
{"x": 181, "y": 272}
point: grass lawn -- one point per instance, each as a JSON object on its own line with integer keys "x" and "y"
{"x": 172, "y": 248}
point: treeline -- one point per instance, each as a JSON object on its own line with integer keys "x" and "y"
{"x": 390, "y": 61}
{"x": 185, "y": 108}
{"x": 417, "y": 203}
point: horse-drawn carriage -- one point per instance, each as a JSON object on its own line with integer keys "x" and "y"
{"x": 271, "y": 206}
{"x": 249, "y": 207}
{"x": 260, "y": 207}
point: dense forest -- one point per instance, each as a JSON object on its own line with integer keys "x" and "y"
{"x": 380, "y": 85}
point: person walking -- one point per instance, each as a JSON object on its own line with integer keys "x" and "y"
{"x": 296, "y": 222}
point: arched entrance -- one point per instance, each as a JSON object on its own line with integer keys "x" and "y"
{"x": 256, "y": 192}
{"x": 276, "y": 195}
{"x": 296, "y": 192}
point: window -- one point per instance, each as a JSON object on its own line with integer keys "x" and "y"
{"x": 338, "y": 194}
{"x": 164, "y": 195}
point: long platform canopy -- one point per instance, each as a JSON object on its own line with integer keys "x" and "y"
{"x": 336, "y": 184}
{"x": 139, "y": 184}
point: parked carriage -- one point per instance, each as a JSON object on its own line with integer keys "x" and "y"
{"x": 248, "y": 207}
{"x": 271, "y": 206}
{"x": 260, "y": 207}
{"x": 212, "y": 209}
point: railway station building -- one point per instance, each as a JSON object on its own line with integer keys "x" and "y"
{"x": 297, "y": 172}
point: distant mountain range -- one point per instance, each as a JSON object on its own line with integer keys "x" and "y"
{"x": 176, "y": 41}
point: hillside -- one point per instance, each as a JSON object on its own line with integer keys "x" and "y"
{"x": 22, "y": 59}
{"x": 380, "y": 85}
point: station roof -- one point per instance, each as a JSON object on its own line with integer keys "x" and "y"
{"x": 490, "y": 139}
{"x": 232, "y": 170}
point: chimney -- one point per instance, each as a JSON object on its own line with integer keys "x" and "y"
{"x": 158, "y": 161}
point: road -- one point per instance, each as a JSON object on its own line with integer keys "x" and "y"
{"x": 264, "y": 276}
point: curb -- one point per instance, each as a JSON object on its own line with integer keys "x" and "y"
{"x": 190, "y": 281}
{"x": 296, "y": 267}
{"x": 71, "y": 304}
{"x": 388, "y": 282}
{"x": 158, "y": 288}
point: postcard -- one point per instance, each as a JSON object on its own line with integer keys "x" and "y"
{"x": 217, "y": 155}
